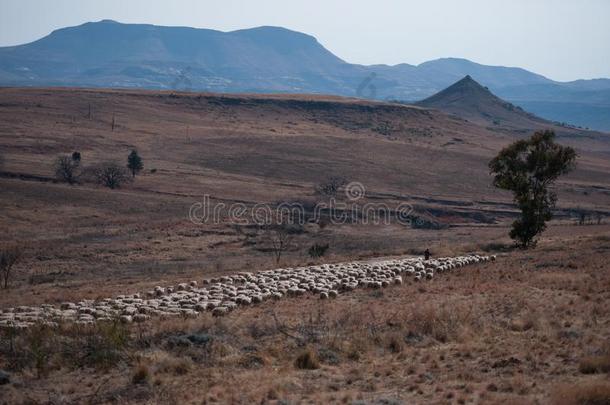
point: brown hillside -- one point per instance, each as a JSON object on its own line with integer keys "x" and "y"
{"x": 247, "y": 148}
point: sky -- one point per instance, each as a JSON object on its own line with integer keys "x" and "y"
{"x": 561, "y": 39}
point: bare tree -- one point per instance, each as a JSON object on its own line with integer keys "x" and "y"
{"x": 110, "y": 175}
{"x": 66, "y": 168}
{"x": 9, "y": 255}
{"x": 330, "y": 187}
{"x": 582, "y": 216}
{"x": 279, "y": 237}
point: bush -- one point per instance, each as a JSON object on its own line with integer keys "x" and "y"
{"x": 141, "y": 375}
{"x": 76, "y": 157}
{"x": 307, "y": 360}
{"x": 104, "y": 345}
{"x": 443, "y": 323}
{"x": 316, "y": 250}
{"x": 330, "y": 187}
{"x": 110, "y": 175}
{"x": 395, "y": 344}
{"x": 66, "y": 168}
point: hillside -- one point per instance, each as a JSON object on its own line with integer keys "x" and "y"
{"x": 272, "y": 59}
{"x": 409, "y": 342}
{"x": 251, "y": 149}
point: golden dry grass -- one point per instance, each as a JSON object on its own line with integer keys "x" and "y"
{"x": 451, "y": 340}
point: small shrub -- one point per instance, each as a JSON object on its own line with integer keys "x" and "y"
{"x": 175, "y": 366}
{"x": 316, "y": 250}
{"x": 104, "y": 344}
{"x": 66, "y": 168}
{"x": 141, "y": 374}
{"x": 394, "y": 344}
{"x": 252, "y": 361}
{"x": 110, "y": 175}
{"x": 329, "y": 356}
{"x": 40, "y": 351}
{"x": 307, "y": 360}
{"x": 330, "y": 187}
{"x": 441, "y": 323}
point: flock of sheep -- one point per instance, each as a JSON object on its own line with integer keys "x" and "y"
{"x": 223, "y": 294}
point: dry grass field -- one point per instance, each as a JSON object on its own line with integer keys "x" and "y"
{"x": 532, "y": 327}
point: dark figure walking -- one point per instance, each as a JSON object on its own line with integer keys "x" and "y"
{"x": 427, "y": 254}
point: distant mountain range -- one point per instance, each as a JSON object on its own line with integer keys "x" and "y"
{"x": 273, "y": 59}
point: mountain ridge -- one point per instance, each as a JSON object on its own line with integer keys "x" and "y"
{"x": 272, "y": 59}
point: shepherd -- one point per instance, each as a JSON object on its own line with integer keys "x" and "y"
{"x": 427, "y": 255}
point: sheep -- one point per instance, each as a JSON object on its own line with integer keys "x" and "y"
{"x": 223, "y": 294}
{"x": 140, "y": 318}
{"x": 125, "y": 319}
{"x": 220, "y": 311}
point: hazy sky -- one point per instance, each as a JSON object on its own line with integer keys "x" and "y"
{"x": 561, "y": 39}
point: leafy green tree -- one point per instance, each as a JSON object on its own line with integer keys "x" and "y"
{"x": 134, "y": 163}
{"x": 529, "y": 168}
